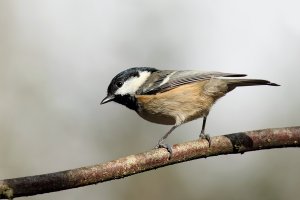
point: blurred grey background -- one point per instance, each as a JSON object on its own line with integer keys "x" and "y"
{"x": 58, "y": 57}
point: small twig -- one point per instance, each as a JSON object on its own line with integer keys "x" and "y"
{"x": 226, "y": 144}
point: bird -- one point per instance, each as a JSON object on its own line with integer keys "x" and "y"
{"x": 174, "y": 97}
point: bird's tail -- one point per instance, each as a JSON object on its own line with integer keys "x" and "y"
{"x": 233, "y": 83}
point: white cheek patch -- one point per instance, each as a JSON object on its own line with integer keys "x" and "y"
{"x": 133, "y": 84}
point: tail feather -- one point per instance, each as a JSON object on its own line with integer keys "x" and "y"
{"x": 233, "y": 83}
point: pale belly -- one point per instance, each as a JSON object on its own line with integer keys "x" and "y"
{"x": 157, "y": 118}
{"x": 175, "y": 106}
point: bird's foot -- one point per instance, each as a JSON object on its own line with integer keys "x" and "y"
{"x": 166, "y": 146}
{"x": 205, "y": 137}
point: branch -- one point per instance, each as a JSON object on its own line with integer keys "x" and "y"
{"x": 227, "y": 144}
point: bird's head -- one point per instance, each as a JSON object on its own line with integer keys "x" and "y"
{"x": 125, "y": 84}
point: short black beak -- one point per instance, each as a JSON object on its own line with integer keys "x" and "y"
{"x": 107, "y": 99}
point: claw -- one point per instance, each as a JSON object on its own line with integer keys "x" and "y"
{"x": 165, "y": 146}
{"x": 205, "y": 137}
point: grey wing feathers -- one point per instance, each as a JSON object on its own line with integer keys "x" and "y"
{"x": 165, "y": 80}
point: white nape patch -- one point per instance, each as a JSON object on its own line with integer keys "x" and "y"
{"x": 167, "y": 79}
{"x": 133, "y": 84}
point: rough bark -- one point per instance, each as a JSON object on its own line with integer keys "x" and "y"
{"x": 226, "y": 144}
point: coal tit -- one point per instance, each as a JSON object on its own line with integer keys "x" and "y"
{"x": 173, "y": 97}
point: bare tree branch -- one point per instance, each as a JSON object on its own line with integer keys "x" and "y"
{"x": 127, "y": 166}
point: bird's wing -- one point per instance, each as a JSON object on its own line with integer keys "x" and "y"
{"x": 164, "y": 80}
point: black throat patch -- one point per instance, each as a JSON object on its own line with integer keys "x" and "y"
{"x": 128, "y": 101}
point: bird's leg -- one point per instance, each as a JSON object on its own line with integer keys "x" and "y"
{"x": 202, "y": 134}
{"x": 161, "y": 143}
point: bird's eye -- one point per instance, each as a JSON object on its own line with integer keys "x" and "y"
{"x": 119, "y": 84}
